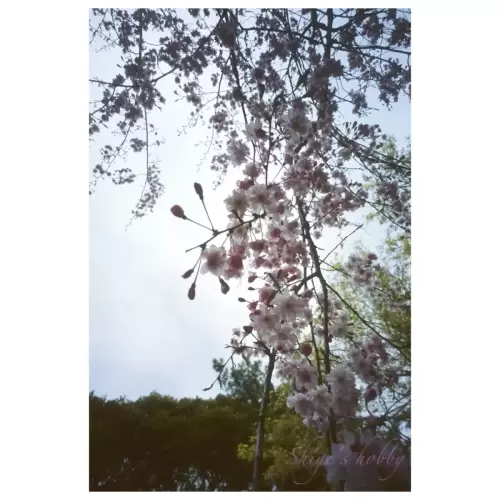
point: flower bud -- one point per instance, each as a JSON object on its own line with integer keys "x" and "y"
{"x": 178, "y": 211}
{"x": 305, "y": 349}
{"x": 199, "y": 190}
{"x": 188, "y": 273}
{"x": 224, "y": 287}
{"x": 370, "y": 394}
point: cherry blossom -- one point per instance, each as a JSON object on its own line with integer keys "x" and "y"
{"x": 277, "y": 120}
{"x": 254, "y": 130}
{"x": 214, "y": 260}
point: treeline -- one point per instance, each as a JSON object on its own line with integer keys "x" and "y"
{"x": 159, "y": 443}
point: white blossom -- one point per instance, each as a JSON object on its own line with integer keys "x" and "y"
{"x": 238, "y": 152}
{"x": 289, "y": 306}
{"x": 214, "y": 260}
{"x": 237, "y": 202}
{"x": 254, "y": 130}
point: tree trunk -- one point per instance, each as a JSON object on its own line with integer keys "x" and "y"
{"x": 259, "y": 445}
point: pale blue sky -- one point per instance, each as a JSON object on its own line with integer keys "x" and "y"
{"x": 145, "y": 334}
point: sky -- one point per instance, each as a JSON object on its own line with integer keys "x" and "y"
{"x": 145, "y": 335}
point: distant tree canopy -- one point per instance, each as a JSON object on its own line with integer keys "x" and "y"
{"x": 158, "y": 443}
{"x": 243, "y": 381}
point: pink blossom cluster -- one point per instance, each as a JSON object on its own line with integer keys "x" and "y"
{"x": 362, "y": 269}
{"x": 254, "y": 131}
{"x": 365, "y": 462}
{"x": 238, "y": 151}
{"x": 278, "y": 320}
{"x": 266, "y": 240}
{"x": 276, "y": 254}
{"x": 365, "y": 362}
{"x": 317, "y": 403}
{"x": 370, "y": 362}
{"x": 398, "y": 199}
{"x": 338, "y": 317}
{"x": 306, "y": 173}
{"x": 313, "y": 406}
{"x": 223, "y": 264}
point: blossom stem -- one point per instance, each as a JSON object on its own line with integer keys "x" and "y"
{"x": 229, "y": 229}
{"x": 208, "y": 216}
{"x": 340, "y": 243}
{"x": 198, "y": 224}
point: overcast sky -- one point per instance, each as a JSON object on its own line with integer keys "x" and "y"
{"x": 145, "y": 334}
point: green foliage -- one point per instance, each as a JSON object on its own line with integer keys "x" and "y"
{"x": 244, "y": 380}
{"x": 291, "y": 449}
{"x": 388, "y": 311}
{"x": 158, "y": 443}
{"x": 391, "y": 189}
{"x": 164, "y": 444}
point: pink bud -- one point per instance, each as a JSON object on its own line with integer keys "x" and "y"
{"x": 188, "y": 273}
{"x": 235, "y": 262}
{"x": 178, "y": 211}
{"x": 192, "y": 292}
{"x": 258, "y": 245}
{"x": 370, "y": 394}
{"x": 264, "y": 294}
{"x": 305, "y": 349}
{"x": 199, "y": 190}
{"x": 275, "y": 233}
{"x": 224, "y": 287}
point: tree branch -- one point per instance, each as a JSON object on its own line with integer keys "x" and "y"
{"x": 259, "y": 445}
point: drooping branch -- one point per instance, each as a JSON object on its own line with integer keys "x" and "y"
{"x": 368, "y": 325}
